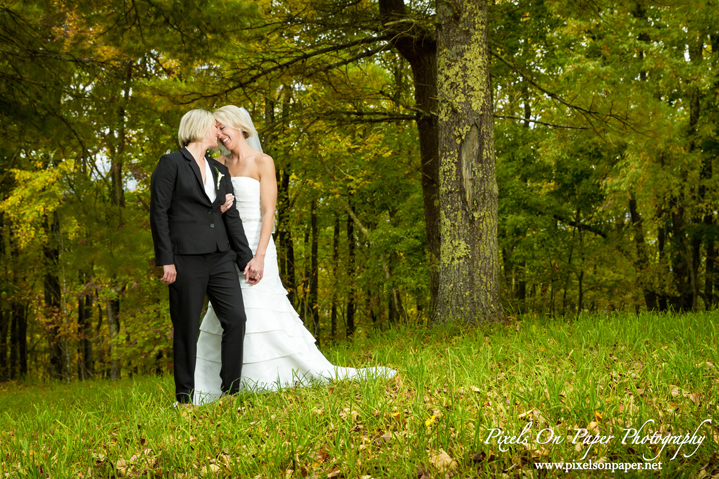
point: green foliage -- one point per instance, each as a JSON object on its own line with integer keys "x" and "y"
{"x": 596, "y": 109}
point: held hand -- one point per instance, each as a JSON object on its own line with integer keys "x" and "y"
{"x": 255, "y": 269}
{"x": 169, "y": 273}
{"x": 250, "y": 279}
{"x": 229, "y": 200}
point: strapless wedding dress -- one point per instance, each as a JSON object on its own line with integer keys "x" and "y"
{"x": 278, "y": 350}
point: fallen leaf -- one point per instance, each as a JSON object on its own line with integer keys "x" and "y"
{"x": 335, "y": 473}
{"x": 121, "y": 467}
{"x": 386, "y": 437}
{"x": 479, "y": 456}
{"x": 210, "y": 469}
{"x": 442, "y": 461}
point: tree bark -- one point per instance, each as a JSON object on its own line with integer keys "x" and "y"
{"x": 469, "y": 259}
{"x": 113, "y": 323}
{"x": 351, "y": 243}
{"x": 305, "y": 277}
{"x": 18, "y": 340}
{"x": 4, "y": 327}
{"x": 682, "y": 300}
{"x": 53, "y": 298}
{"x": 663, "y": 299}
{"x": 641, "y": 264}
{"x": 335, "y": 274}
{"x": 418, "y": 46}
{"x": 691, "y": 293}
{"x": 17, "y": 365}
{"x": 286, "y": 254}
{"x": 4, "y": 314}
{"x": 314, "y": 273}
{"x": 84, "y": 326}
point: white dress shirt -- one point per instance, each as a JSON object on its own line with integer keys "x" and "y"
{"x": 210, "y": 189}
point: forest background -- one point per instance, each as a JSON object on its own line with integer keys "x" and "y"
{"x": 605, "y": 116}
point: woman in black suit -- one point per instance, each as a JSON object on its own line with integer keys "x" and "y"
{"x": 198, "y": 246}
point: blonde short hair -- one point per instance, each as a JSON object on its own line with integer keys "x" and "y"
{"x": 194, "y": 126}
{"x": 232, "y": 116}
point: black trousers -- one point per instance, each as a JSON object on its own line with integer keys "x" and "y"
{"x": 214, "y": 274}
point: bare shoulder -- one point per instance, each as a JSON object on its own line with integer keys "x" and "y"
{"x": 263, "y": 159}
{"x": 222, "y": 159}
{"x": 264, "y": 162}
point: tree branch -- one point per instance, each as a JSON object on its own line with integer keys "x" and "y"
{"x": 587, "y": 113}
{"x": 300, "y": 58}
{"x": 553, "y": 125}
{"x": 581, "y": 226}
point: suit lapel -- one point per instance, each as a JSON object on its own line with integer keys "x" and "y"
{"x": 196, "y": 169}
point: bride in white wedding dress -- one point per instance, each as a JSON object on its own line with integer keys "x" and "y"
{"x": 278, "y": 350}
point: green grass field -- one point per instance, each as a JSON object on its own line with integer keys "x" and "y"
{"x": 459, "y": 397}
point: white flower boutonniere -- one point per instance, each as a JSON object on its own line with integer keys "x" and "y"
{"x": 219, "y": 177}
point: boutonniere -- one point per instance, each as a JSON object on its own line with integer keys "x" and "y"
{"x": 219, "y": 177}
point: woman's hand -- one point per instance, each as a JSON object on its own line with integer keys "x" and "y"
{"x": 229, "y": 201}
{"x": 255, "y": 269}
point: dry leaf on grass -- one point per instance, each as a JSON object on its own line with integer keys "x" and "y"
{"x": 386, "y": 437}
{"x": 442, "y": 461}
{"x": 210, "y": 469}
{"x": 121, "y": 467}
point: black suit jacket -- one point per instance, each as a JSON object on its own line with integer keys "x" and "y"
{"x": 183, "y": 220}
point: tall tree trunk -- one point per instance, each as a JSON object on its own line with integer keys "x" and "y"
{"x": 663, "y": 299}
{"x": 682, "y": 301}
{"x": 314, "y": 273}
{"x": 17, "y": 366}
{"x": 286, "y": 255}
{"x": 520, "y": 268}
{"x": 4, "y": 314}
{"x": 335, "y": 274}
{"x": 418, "y": 46}
{"x": 580, "y": 286}
{"x": 18, "y": 340}
{"x": 709, "y": 275}
{"x": 304, "y": 301}
{"x": 695, "y": 54}
{"x": 351, "y": 243}
{"x": 641, "y": 264}
{"x": 392, "y": 314}
{"x": 53, "y": 298}
{"x": 4, "y": 328}
{"x": 284, "y": 204}
{"x": 117, "y": 199}
{"x": 469, "y": 259}
{"x": 113, "y": 324}
{"x": 84, "y": 326}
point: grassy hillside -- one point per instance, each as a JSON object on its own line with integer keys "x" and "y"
{"x": 458, "y": 399}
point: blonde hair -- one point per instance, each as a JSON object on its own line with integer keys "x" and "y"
{"x": 194, "y": 126}
{"x": 232, "y": 116}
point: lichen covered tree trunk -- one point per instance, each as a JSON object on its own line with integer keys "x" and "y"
{"x": 469, "y": 259}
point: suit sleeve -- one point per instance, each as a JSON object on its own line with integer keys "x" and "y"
{"x": 235, "y": 230}
{"x": 162, "y": 186}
